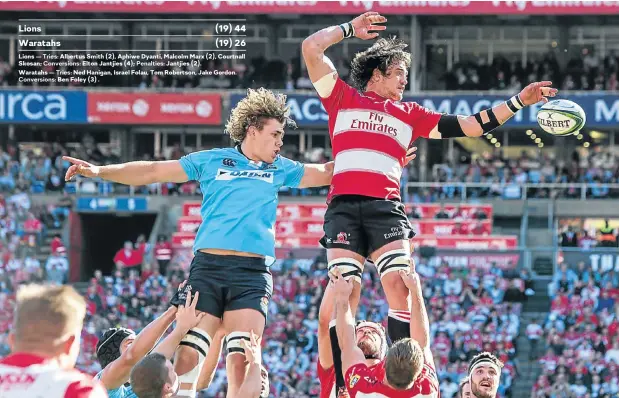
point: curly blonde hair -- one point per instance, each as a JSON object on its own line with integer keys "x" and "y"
{"x": 255, "y": 110}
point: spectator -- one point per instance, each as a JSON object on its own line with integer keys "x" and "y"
{"x": 163, "y": 254}
{"x": 612, "y": 355}
{"x": 57, "y": 266}
{"x": 452, "y": 286}
{"x": 128, "y": 259}
{"x": 569, "y": 238}
{"x": 442, "y": 214}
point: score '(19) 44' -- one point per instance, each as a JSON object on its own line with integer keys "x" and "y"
{"x": 228, "y": 28}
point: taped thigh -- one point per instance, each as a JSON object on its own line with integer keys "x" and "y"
{"x": 394, "y": 260}
{"x": 234, "y": 343}
{"x": 349, "y": 267}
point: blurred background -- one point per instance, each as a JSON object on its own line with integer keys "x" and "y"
{"x": 517, "y": 231}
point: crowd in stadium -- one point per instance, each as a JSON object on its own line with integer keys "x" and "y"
{"x": 596, "y": 167}
{"x": 41, "y": 170}
{"x": 587, "y": 72}
{"x": 578, "y": 342}
{"x": 472, "y": 309}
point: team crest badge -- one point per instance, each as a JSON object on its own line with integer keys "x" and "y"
{"x": 342, "y": 238}
{"x": 353, "y": 380}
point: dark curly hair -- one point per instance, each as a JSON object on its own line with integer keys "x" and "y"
{"x": 485, "y": 357}
{"x": 380, "y": 56}
{"x": 108, "y": 346}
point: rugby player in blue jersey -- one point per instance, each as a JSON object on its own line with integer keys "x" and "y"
{"x": 119, "y": 349}
{"x": 240, "y": 188}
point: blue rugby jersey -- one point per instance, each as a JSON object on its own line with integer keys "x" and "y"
{"x": 240, "y": 198}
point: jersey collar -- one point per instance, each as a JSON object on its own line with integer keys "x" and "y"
{"x": 374, "y": 95}
{"x": 23, "y": 360}
{"x": 254, "y": 163}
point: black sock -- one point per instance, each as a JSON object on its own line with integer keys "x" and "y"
{"x": 398, "y": 325}
{"x": 337, "y": 359}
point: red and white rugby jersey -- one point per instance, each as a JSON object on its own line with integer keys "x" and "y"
{"x": 26, "y": 375}
{"x": 370, "y": 136}
{"x": 326, "y": 378}
{"x": 365, "y": 382}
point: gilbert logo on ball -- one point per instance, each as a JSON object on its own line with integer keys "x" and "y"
{"x": 561, "y": 117}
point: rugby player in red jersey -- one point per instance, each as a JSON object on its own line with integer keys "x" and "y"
{"x": 371, "y": 131}
{"x": 45, "y": 343}
{"x": 408, "y": 368}
{"x": 371, "y": 340}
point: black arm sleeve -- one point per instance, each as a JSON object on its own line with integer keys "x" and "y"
{"x": 449, "y": 127}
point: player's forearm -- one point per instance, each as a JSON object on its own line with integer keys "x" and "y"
{"x": 168, "y": 346}
{"x": 316, "y": 44}
{"x": 344, "y": 325}
{"x": 132, "y": 173}
{"x": 317, "y": 175}
{"x": 471, "y": 127}
{"x": 419, "y": 325}
{"x": 253, "y": 383}
{"x": 148, "y": 337}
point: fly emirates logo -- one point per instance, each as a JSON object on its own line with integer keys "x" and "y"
{"x": 373, "y": 122}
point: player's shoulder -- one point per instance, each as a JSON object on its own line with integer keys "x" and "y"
{"x": 85, "y": 387}
{"x": 226, "y": 156}
{"x": 217, "y": 152}
{"x": 283, "y": 161}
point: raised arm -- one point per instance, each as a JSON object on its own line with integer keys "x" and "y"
{"x": 483, "y": 122}
{"x": 252, "y": 385}
{"x": 117, "y": 373}
{"x": 345, "y": 322}
{"x": 420, "y": 325}
{"x": 132, "y": 173}
{"x": 186, "y": 319}
{"x": 325, "y": 314}
{"x": 314, "y": 47}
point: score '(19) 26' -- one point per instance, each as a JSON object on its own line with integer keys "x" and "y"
{"x": 229, "y": 42}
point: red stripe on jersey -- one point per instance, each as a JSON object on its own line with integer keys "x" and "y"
{"x": 376, "y": 185}
{"x": 374, "y": 142}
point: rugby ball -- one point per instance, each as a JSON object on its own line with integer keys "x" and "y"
{"x": 561, "y": 117}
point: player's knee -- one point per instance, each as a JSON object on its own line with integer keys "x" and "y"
{"x": 393, "y": 261}
{"x": 185, "y": 359}
{"x": 349, "y": 267}
{"x": 198, "y": 341}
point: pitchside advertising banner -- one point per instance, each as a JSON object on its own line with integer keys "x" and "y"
{"x": 118, "y": 204}
{"x": 600, "y": 260}
{"x": 20, "y": 106}
{"x": 419, "y": 7}
{"x": 602, "y": 110}
{"x": 153, "y": 108}
{"x": 109, "y": 108}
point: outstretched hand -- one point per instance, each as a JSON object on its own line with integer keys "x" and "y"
{"x": 410, "y": 279}
{"x": 186, "y": 317}
{"x": 252, "y": 349}
{"x": 341, "y": 287}
{"x": 536, "y": 92}
{"x": 80, "y": 167}
{"x": 410, "y": 155}
{"x": 364, "y": 25}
